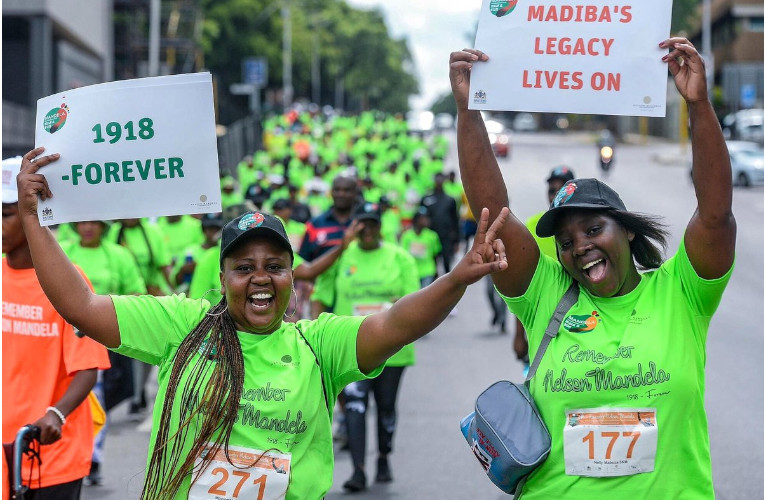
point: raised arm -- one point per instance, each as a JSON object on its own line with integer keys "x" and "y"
{"x": 66, "y": 289}
{"x": 710, "y": 238}
{"x": 482, "y": 179}
{"x": 383, "y": 334}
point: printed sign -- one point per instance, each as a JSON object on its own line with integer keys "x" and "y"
{"x": 129, "y": 149}
{"x": 584, "y": 57}
{"x": 607, "y": 442}
{"x": 257, "y": 474}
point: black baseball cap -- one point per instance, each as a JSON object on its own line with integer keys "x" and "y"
{"x": 250, "y": 224}
{"x": 212, "y": 220}
{"x": 368, "y": 211}
{"x": 578, "y": 193}
{"x": 281, "y": 204}
{"x": 562, "y": 172}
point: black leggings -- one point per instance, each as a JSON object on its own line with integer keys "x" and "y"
{"x": 385, "y": 388}
{"x": 66, "y": 491}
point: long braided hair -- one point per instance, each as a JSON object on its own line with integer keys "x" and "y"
{"x": 214, "y": 338}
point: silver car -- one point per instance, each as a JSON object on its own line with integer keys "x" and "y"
{"x": 746, "y": 159}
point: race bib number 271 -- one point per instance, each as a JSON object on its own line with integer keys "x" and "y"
{"x": 256, "y": 475}
{"x": 607, "y": 442}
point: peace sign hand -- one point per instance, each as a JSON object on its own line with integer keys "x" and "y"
{"x": 32, "y": 184}
{"x": 487, "y": 255}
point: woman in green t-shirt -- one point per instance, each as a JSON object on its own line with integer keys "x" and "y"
{"x": 244, "y": 400}
{"x": 621, "y": 385}
{"x": 369, "y": 277}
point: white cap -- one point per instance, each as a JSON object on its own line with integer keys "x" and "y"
{"x": 11, "y": 168}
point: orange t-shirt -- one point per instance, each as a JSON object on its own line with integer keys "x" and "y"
{"x": 41, "y": 355}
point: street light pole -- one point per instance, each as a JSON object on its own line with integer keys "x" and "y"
{"x": 287, "y": 55}
{"x": 154, "y": 13}
{"x": 315, "y": 70}
{"x": 706, "y": 42}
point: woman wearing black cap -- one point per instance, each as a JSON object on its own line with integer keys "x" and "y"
{"x": 632, "y": 347}
{"x": 369, "y": 277}
{"x": 244, "y": 401}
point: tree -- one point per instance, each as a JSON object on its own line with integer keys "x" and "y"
{"x": 354, "y": 47}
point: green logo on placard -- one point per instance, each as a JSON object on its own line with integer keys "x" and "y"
{"x": 502, "y": 7}
{"x": 56, "y": 118}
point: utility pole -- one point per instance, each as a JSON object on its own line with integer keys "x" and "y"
{"x": 287, "y": 55}
{"x": 154, "y": 13}
{"x": 706, "y": 42}
{"x": 315, "y": 69}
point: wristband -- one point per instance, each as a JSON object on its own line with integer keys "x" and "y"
{"x": 58, "y": 413}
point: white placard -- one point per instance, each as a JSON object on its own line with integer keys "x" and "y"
{"x": 129, "y": 149}
{"x": 593, "y": 57}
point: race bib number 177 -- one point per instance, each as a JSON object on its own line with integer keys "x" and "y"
{"x": 607, "y": 442}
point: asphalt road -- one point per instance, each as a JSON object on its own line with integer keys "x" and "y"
{"x": 464, "y": 355}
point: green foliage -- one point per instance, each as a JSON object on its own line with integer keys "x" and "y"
{"x": 354, "y": 48}
{"x": 686, "y": 16}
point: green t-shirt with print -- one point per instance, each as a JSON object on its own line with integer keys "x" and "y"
{"x": 645, "y": 349}
{"x": 283, "y": 406}
{"x": 367, "y": 280}
{"x": 423, "y": 247}
{"x": 110, "y": 268}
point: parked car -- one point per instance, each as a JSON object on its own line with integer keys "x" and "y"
{"x": 524, "y": 122}
{"x": 746, "y": 162}
{"x": 443, "y": 121}
{"x": 499, "y": 136}
{"x": 744, "y": 125}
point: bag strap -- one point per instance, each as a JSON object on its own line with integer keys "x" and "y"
{"x": 568, "y": 300}
{"x": 321, "y": 376}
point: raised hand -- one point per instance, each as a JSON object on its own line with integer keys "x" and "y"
{"x": 30, "y": 183}
{"x": 487, "y": 254}
{"x": 460, "y": 64}
{"x": 687, "y": 67}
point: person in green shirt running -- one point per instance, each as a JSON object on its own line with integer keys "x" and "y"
{"x": 621, "y": 386}
{"x": 244, "y": 399}
{"x": 423, "y": 244}
{"x": 368, "y": 278}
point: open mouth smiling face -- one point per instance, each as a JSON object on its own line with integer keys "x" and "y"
{"x": 257, "y": 283}
{"x": 595, "y": 250}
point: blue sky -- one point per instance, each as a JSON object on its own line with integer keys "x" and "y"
{"x": 434, "y": 28}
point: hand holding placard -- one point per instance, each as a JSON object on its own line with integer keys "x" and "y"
{"x": 134, "y": 148}
{"x": 591, "y": 57}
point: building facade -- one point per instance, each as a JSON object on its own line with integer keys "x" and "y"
{"x": 50, "y": 46}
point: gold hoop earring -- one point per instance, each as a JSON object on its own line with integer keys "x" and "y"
{"x": 296, "y": 305}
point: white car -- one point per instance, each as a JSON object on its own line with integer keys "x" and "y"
{"x": 746, "y": 163}
{"x": 524, "y": 122}
{"x": 746, "y": 160}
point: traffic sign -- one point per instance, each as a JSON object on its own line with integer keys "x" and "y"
{"x": 255, "y": 71}
{"x": 748, "y": 95}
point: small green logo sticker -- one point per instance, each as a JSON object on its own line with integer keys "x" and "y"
{"x": 581, "y": 323}
{"x": 502, "y": 7}
{"x": 56, "y": 118}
